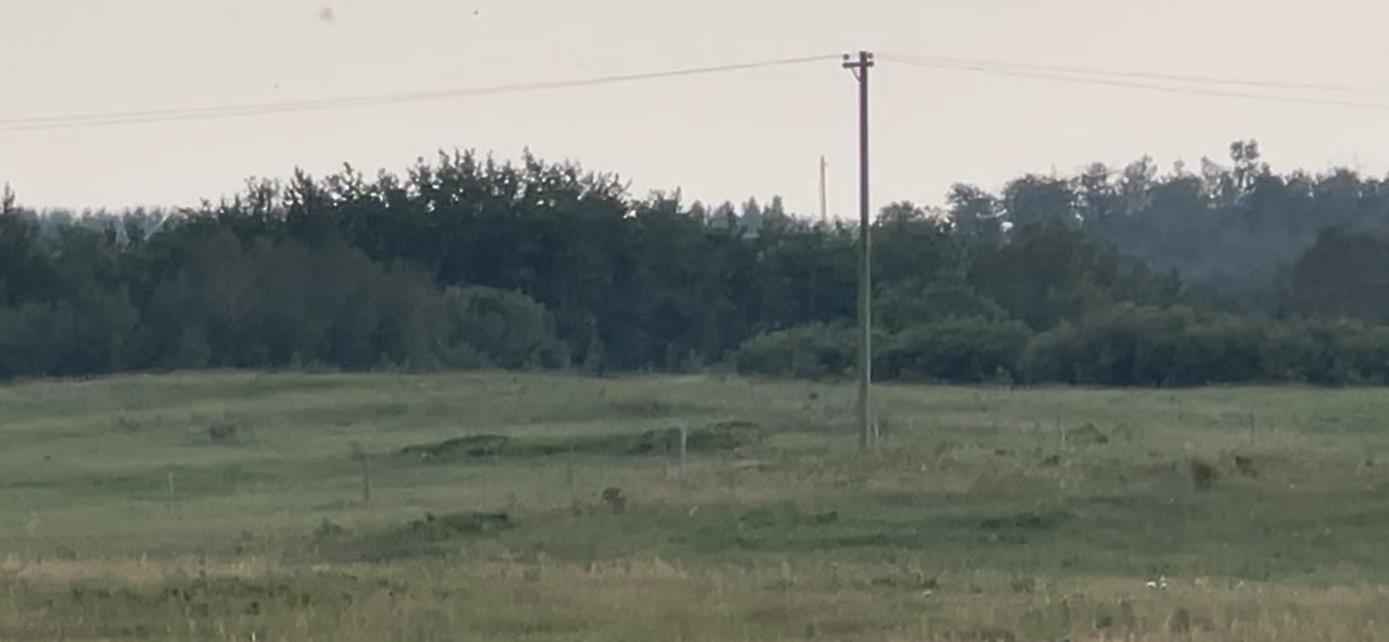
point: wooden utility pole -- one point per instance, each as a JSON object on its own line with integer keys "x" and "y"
{"x": 860, "y": 67}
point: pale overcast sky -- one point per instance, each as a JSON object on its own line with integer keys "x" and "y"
{"x": 718, "y": 137}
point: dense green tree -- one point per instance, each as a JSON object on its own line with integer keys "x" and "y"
{"x": 465, "y": 261}
{"x": 1035, "y": 199}
{"x": 975, "y": 213}
{"x": 1345, "y": 274}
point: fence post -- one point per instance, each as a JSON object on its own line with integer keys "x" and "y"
{"x": 366, "y": 479}
{"x": 684, "y": 445}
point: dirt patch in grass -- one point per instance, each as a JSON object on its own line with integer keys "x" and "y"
{"x": 430, "y": 535}
{"x": 718, "y": 437}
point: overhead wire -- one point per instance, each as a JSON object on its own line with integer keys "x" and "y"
{"x": 1134, "y": 84}
{"x": 1213, "y": 86}
{"x": 100, "y": 119}
{"x": 1132, "y": 74}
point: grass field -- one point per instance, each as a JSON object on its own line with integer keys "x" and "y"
{"x": 230, "y": 507}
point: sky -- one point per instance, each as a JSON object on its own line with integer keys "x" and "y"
{"x": 716, "y": 137}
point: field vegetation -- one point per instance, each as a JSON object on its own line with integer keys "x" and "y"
{"x": 250, "y": 506}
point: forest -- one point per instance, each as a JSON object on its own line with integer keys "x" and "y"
{"x": 1131, "y": 276}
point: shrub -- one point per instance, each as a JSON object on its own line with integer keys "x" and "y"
{"x": 1144, "y": 345}
{"x": 472, "y": 446}
{"x": 811, "y": 351}
{"x": 1203, "y": 474}
{"x": 723, "y": 436}
{"x": 487, "y": 326}
{"x": 1330, "y": 352}
{"x": 961, "y": 349}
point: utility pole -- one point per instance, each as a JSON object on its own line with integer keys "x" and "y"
{"x": 824, "y": 207}
{"x": 860, "y": 69}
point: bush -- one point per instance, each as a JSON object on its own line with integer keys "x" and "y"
{"x": 491, "y": 327}
{"x": 811, "y": 351}
{"x": 1050, "y": 356}
{"x": 1329, "y": 352}
{"x": 723, "y": 436}
{"x": 1143, "y": 345}
{"x": 1130, "y": 345}
{"x": 463, "y": 447}
{"x": 962, "y": 349}
{"x": 1222, "y": 348}
{"x": 1120, "y": 345}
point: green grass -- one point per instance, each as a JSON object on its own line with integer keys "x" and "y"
{"x": 986, "y": 514}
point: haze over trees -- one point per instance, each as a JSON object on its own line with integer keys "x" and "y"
{"x": 1125, "y": 276}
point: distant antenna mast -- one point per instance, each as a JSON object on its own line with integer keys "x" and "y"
{"x": 824, "y": 210}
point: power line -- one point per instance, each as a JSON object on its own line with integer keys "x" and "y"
{"x": 1170, "y": 89}
{"x": 1056, "y": 73}
{"x": 257, "y": 109}
{"x": 1162, "y": 76}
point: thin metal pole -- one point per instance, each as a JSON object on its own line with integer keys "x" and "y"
{"x": 824, "y": 205}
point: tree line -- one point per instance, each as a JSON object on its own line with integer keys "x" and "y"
{"x": 1121, "y": 277}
